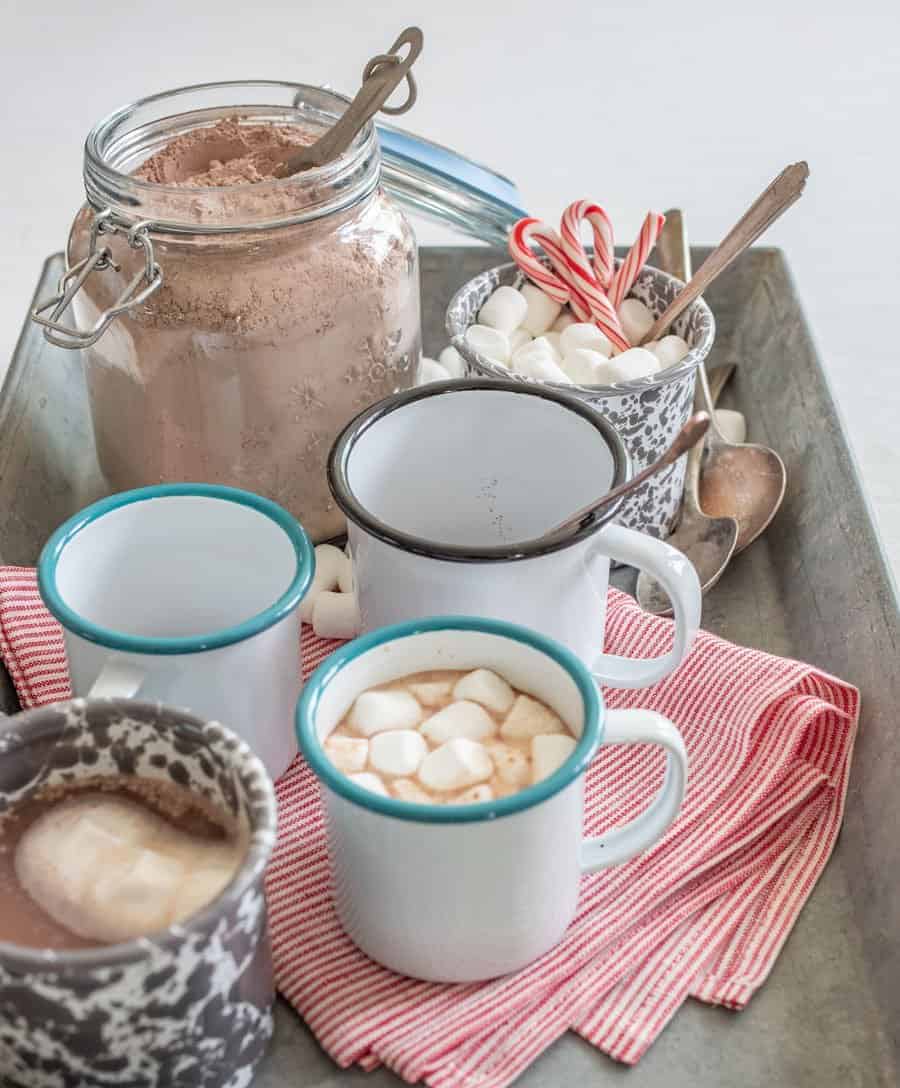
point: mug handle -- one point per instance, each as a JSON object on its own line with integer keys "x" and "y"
{"x": 676, "y": 574}
{"x": 119, "y": 678}
{"x": 622, "y": 843}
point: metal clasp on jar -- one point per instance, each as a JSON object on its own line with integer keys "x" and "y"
{"x": 99, "y": 258}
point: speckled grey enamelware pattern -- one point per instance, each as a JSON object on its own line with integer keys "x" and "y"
{"x": 191, "y": 1006}
{"x": 647, "y": 413}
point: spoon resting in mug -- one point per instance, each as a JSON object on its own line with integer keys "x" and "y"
{"x": 689, "y": 435}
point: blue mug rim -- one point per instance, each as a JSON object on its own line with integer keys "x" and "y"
{"x": 332, "y": 666}
{"x": 227, "y": 636}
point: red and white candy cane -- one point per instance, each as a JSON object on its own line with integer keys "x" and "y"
{"x": 585, "y": 297}
{"x": 630, "y": 268}
{"x": 604, "y": 247}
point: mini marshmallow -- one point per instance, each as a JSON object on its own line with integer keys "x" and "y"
{"x": 432, "y": 692}
{"x": 636, "y": 320}
{"x": 336, "y": 615}
{"x": 631, "y": 364}
{"x": 378, "y": 711}
{"x": 475, "y": 795}
{"x": 536, "y": 361}
{"x": 398, "y": 752}
{"x": 504, "y": 310}
{"x": 670, "y": 350}
{"x": 404, "y": 789}
{"x": 545, "y": 343}
{"x": 371, "y": 782}
{"x": 518, "y": 339}
{"x": 542, "y": 310}
{"x": 459, "y": 719}
{"x": 583, "y": 364}
{"x": 733, "y": 425}
{"x": 489, "y": 342}
{"x": 584, "y": 335}
{"x": 565, "y": 319}
{"x": 330, "y": 561}
{"x": 348, "y": 754}
{"x": 554, "y": 340}
{"x": 345, "y": 576}
{"x": 548, "y": 752}
{"x": 455, "y": 765}
{"x": 485, "y": 687}
{"x": 430, "y": 370}
{"x": 510, "y": 763}
{"x": 452, "y": 362}
{"x": 528, "y": 718}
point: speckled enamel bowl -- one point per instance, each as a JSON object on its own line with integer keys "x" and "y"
{"x": 647, "y": 413}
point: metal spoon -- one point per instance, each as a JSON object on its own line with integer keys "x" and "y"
{"x": 689, "y": 435}
{"x": 708, "y": 542}
{"x": 381, "y": 76}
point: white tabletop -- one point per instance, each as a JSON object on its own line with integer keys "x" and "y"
{"x": 638, "y": 105}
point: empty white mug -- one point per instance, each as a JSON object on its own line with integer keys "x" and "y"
{"x": 187, "y": 594}
{"x": 458, "y": 893}
{"x": 447, "y": 490}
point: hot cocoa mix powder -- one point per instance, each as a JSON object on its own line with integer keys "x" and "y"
{"x": 260, "y": 346}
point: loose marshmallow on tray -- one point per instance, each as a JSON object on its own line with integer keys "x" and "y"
{"x": 455, "y": 765}
{"x": 378, "y": 711}
{"x": 636, "y": 320}
{"x": 452, "y": 362}
{"x": 489, "y": 342}
{"x": 430, "y": 370}
{"x": 460, "y": 719}
{"x": 331, "y": 563}
{"x": 542, "y": 310}
{"x": 397, "y": 752}
{"x": 335, "y": 615}
{"x": 505, "y": 309}
{"x": 732, "y": 424}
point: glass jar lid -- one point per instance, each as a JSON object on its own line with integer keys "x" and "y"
{"x": 447, "y": 187}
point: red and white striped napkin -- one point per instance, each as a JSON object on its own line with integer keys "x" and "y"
{"x": 702, "y": 914}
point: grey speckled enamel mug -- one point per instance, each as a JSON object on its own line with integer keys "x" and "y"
{"x": 189, "y": 1006}
{"x": 647, "y": 413}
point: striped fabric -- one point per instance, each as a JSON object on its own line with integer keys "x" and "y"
{"x": 703, "y": 914}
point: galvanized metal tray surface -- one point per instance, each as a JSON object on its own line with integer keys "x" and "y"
{"x": 815, "y": 587}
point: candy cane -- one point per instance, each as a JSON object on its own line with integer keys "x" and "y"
{"x": 584, "y": 295}
{"x": 601, "y": 225}
{"x": 630, "y": 268}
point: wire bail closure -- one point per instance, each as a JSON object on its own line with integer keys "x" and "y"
{"x": 98, "y": 259}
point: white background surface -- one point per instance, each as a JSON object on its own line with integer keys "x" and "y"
{"x": 637, "y": 105}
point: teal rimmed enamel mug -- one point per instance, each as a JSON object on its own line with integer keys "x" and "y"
{"x": 187, "y": 594}
{"x": 461, "y": 893}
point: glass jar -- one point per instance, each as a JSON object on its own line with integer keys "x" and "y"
{"x": 230, "y": 331}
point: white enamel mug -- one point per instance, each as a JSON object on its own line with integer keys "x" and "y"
{"x": 459, "y": 893}
{"x": 187, "y": 594}
{"x": 446, "y": 489}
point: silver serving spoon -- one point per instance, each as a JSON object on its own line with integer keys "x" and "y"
{"x": 708, "y": 542}
{"x": 689, "y": 435}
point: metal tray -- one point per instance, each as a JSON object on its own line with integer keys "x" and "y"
{"x": 814, "y": 587}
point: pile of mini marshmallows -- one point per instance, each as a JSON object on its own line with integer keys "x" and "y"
{"x": 527, "y": 332}
{"x": 531, "y": 334}
{"x": 449, "y": 755}
{"x": 330, "y": 602}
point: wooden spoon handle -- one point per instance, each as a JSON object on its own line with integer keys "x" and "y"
{"x": 771, "y": 203}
